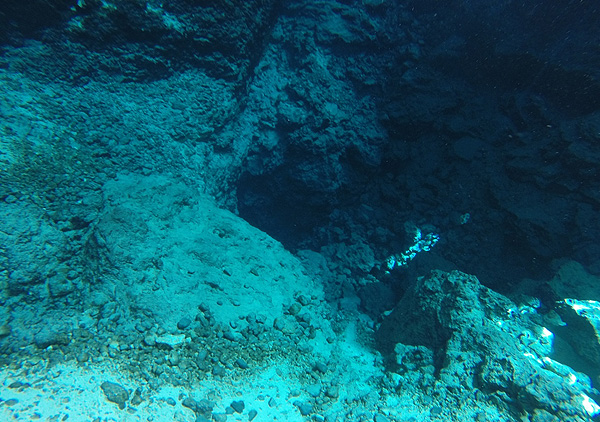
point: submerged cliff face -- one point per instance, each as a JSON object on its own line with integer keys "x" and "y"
{"x": 314, "y": 118}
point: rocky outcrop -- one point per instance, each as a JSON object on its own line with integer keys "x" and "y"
{"x": 450, "y": 330}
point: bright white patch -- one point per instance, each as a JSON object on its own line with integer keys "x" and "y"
{"x": 590, "y": 405}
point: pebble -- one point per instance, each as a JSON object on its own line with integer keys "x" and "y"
{"x": 18, "y": 384}
{"x": 184, "y": 323}
{"x": 173, "y": 358}
{"x": 219, "y": 417}
{"x": 321, "y": 367}
{"x": 4, "y": 330}
{"x": 238, "y": 405}
{"x": 170, "y": 340}
{"x": 136, "y": 399}
{"x": 435, "y": 410}
{"x": 115, "y": 393}
{"x": 150, "y": 340}
{"x": 305, "y": 317}
{"x": 333, "y": 391}
{"x": 202, "y": 355}
{"x": 294, "y": 308}
{"x": 241, "y": 363}
{"x": 205, "y": 406}
{"x": 83, "y": 357}
{"x": 190, "y": 403}
{"x": 314, "y": 390}
{"x": 229, "y": 335}
{"x": 304, "y": 408}
{"x": 252, "y": 414}
{"x": 218, "y": 371}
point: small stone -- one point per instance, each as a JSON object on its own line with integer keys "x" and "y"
{"x": 170, "y": 340}
{"x": 218, "y": 371}
{"x": 320, "y": 367}
{"x": 333, "y": 392}
{"x": 136, "y": 399}
{"x": 150, "y": 340}
{"x": 279, "y": 324}
{"x": 305, "y": 317}
{"x": 4, "y": 330}
{"x": 18, "y": 384}
{"x": 238, "y": 406}
{"x": 294, "y": 308}
{"x": 272, "y": 402}
{"x": 252, "y": 414}
{"x": 286, "y": 326}
{"x": 115, "y": 393}
{"x": 190, "y": 403}
{"x": 205, "y": 406}
{"x": 202, "y": 355}
{"x": 219, "y": 417}
{"x": 435, "y": 410}
{"x": 83, "y": 357}
{"x": 228, "y": 335}
{"x": 314, "y": 390}
{"x": 241, "y": 363}
{"x": 184, "y": 323}
{"x": 10, "y": 199}
{"x": 304, "y": 408}
{"x": 173, "y": 358}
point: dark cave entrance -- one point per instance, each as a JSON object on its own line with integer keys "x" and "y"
{"x": 289, "y": 214}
